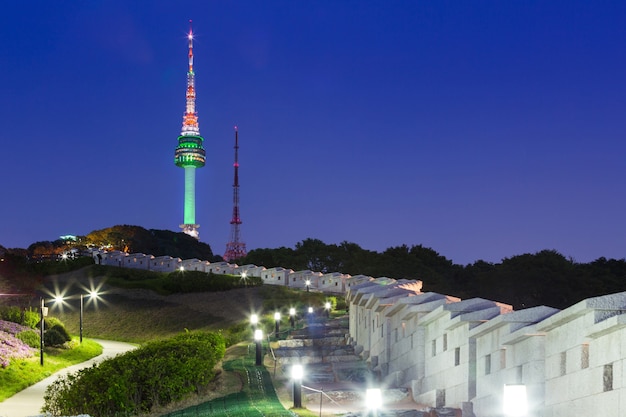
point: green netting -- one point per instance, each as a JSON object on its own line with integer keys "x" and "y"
{"x": 256, "y": 399}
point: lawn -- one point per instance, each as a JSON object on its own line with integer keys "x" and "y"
{"x": 23, "y": 373}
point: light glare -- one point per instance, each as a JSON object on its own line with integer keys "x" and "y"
{"x": 297, "y": 372}
{"x": 514, "y": 401}
{"x": 373, "y": 399}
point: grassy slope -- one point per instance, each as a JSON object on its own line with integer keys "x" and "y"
{"x": 139, "y": 315}
{"x": 24, "y": 373}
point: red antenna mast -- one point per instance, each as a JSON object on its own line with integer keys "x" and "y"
{"x": 235, "y": 249}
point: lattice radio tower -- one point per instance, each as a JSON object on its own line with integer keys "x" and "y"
{"x": 235, "y": 249}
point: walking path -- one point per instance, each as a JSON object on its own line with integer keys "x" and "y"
{"x": 28, "y": 403}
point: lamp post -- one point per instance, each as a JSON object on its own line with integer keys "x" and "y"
{"x": 92, "y": 294}
{"x": 292, "y": 317}
{"x": 308, "y": 284}
{"x": 43, "y": 312}
{"x": 297, "y": 372}
{"x": 514, "y": 401}
{"x": 80, "y": 320}
{"x": 258, "y": 337}
{"x": 277, "y": 323}
{"x": 327, "y": 308}
{"x": 373, "y": 400}
{"x": 310, "y": 310}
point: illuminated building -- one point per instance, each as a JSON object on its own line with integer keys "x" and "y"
{"x": 189, "y": 153}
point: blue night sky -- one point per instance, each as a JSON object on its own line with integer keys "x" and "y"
{"x": 481, "y": 129}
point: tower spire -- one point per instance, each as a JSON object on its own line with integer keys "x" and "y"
{"x": 189, "y": 153}
{"x": 235, "y": 249}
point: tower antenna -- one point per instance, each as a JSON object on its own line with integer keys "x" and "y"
{"x": 189, "y": 153}
{"x": 235, "y": 249}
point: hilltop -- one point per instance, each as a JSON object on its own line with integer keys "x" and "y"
{"x": 127, "y": 238}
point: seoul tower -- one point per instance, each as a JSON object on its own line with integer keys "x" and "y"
{"x": 189, "y": 153}
{"x": 235, "y": 249}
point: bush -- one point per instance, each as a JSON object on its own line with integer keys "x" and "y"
{"x": 13, "y": 314}
{"x": 53, "y": 338}
{"x": 155, "y": 374}
{"x": 59, "y": 266}
{"x": 31, "y": 319}
{"x": 30, "y": 337}
{"x": 196, "y": 281}
{"x": 56, "y": 336}
{"x": 51, "y": 322}
{"x": 236, "y": 333}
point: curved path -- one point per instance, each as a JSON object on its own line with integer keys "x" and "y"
{"x": 28, "y": 403}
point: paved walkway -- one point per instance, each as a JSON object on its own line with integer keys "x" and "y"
{"x": 28, "y": 403}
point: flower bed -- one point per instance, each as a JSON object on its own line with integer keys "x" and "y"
{"x": 10, "y": 346}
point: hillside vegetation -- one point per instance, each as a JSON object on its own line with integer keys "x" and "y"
{"x": 527, "y": 280}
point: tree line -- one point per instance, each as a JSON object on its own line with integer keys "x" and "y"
{"x": 543, "y": 278}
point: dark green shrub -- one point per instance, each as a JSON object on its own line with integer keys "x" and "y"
{"x": 53, "y": 337}
{"x": 125, "y": 274}
{"x": 56, "y": 335}
{"x": 59, "y": 266}
{"x": 12, "y": 314}
{"x": 51, "y": 322}
{"x": 236, "y": 333}
{"x": 155, "y": 374}
{"x": 30, "y": 337}
{"x": 196, "y": 281}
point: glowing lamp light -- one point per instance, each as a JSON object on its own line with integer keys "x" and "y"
{"x": 373, "y": 399}
{"x": 297, "y": 372}
{"x": 514, "y": 401}
{"x": 258, "y": 335}
{"x": 292, "y": 311}
{"x": 327, "y": 305}
{"x": 310, "y": 310}
{"x": 254, "y": 319}
{"x": 182, "y": 268}
{"x": 277, "y": 316}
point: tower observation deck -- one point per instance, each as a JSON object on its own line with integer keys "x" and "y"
{"x": 189, "y": 153}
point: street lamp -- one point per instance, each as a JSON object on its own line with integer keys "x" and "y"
{"x": 254, "y": 320}
{"x": 277, "y": 323}
{"x": 310, "y": 310}
{"x": 514, "y": 401}
{"x": 258, "y": 337}
{"x": 292, "y": 317}
{"x": 297, "y": 373}
{"x": 308, "y": 284}
{"x": 92, "y": 294}
{"x": 373, "y": 400}
{"x": 43, "y": 312}
{"x": 327, "y": 308}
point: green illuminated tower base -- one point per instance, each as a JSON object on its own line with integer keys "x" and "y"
{"x": 189, "y": 153}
